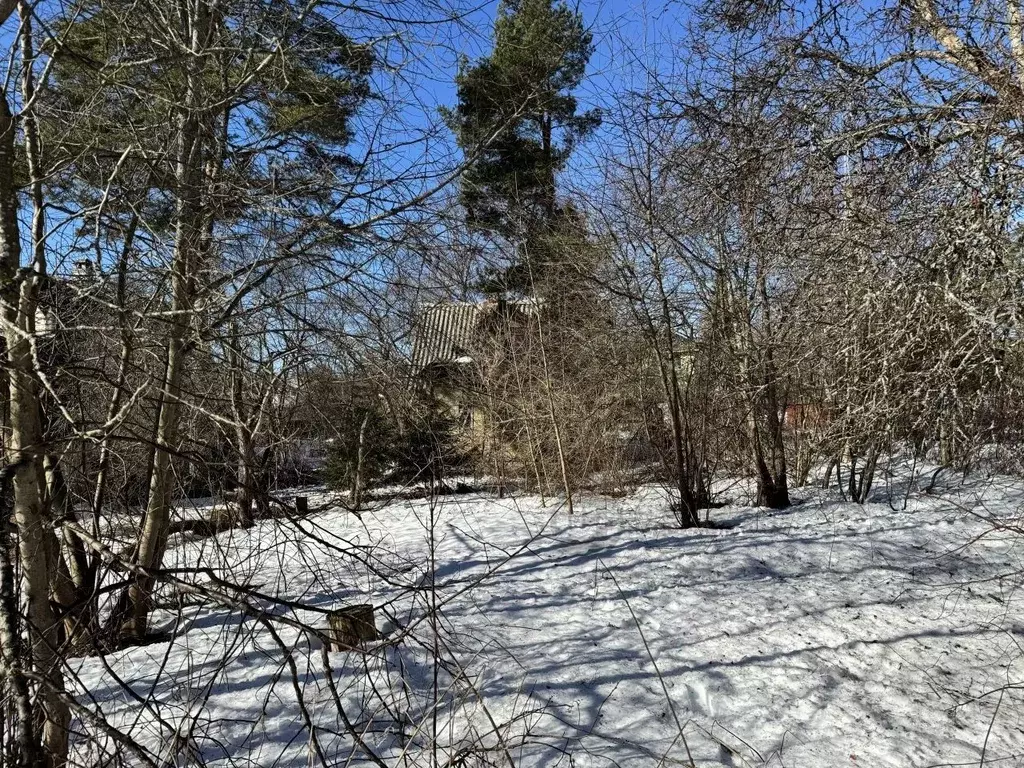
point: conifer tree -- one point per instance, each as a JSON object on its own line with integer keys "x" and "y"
{"x": 517, "y": 111}
{"x": 214, "y": 130}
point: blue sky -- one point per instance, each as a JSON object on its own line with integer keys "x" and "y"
{"x": 625, "y": 32}
{"x": 630, "y": 38}
{"x": 629, "y": 35}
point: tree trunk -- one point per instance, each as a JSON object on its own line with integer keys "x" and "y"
{"x": 153, "y": 536}
{"x": 72, "y": 587}
{"x": 26, "y": 752}
{"x": 188, "y": 236}
{"x": 247, "y": 476}
{"x": 36, "y": 543}
{"x": 357, "y": 475}
{"x": 120, "y": 383}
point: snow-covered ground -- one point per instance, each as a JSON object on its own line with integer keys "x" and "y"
{"x": 829, "y": 634}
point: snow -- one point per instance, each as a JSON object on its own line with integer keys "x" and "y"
{"x": 829, "y": 634}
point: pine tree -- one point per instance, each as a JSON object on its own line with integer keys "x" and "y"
{"x": 517, "y": 114}
{"x": 213, "y": 130}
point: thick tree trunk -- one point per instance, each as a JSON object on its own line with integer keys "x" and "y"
{"x": 771, "y": 492}
{"x": 768, "y": 449}
{"x": 36, "y": 542}
{"x": 860, "y": 482}
{"x": 768, "y": 454}
{"x": 947, "y": 453}
{"x": 829, "y": 468}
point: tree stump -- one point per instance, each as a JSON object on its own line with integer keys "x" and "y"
{"x": 301, "y": 506}
{"x": 348, "y": 627}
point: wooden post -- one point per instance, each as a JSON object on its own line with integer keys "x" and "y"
{"x": 301, "y": 506}
{"x": 348, "y": 627}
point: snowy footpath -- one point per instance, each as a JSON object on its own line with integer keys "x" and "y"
{"x": 829, "y": 634}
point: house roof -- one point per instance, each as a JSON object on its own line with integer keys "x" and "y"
{"x": 448, "y": 331}
{"x": 444, "y": 333}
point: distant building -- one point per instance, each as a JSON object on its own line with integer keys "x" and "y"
{"x": 444, "y": 337}
{"x": 450, "y": 341}
{"x": 452, "y": 333}
{"x": 66, "y": 302}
